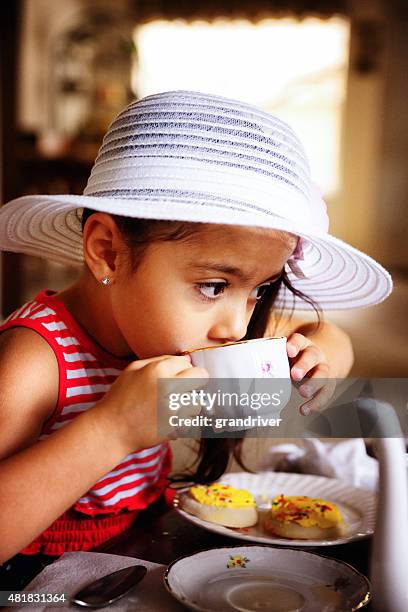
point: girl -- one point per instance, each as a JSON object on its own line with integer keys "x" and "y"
{"x": 198, "y": 221}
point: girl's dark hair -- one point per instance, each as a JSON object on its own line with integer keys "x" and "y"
{"x": 213, "y": 454}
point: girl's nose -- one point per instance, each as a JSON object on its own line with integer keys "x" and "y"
{"x": 229, "y": 326}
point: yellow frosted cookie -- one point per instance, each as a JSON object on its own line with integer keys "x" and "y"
{"x": 220, "y": 503}
{"x": 301, "y": 517}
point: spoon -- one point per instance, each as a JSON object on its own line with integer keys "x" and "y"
{"x": 108, "y": 589}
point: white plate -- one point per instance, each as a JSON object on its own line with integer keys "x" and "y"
{"x": 357, "y": 505}
{"x": 254, "y": 578}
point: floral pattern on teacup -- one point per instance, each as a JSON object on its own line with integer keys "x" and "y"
{"x": 237, "y": 561}
{"x": 267, "y": 369}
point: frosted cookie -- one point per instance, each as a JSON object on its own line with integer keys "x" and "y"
{"x": 220, "y": 503}
{"x": 304, "y": 518}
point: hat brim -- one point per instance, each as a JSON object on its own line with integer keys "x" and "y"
{"x": 338, "y": 276}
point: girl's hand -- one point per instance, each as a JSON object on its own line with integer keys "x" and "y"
{"x": 129, "y": 410}
{"x": 308, "y": 361}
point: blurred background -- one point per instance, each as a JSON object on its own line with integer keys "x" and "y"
{"x": 336, "y": 70}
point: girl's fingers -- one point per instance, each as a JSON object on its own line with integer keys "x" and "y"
{"x": 311, "y": 386}
{"x": 199, "y": 380}
{"x": 176, "y": 398}
{"x": 311, "y": 357}
{"x": 296, "y": 342}
{"x": 316, "y": 379}
{"x": 320, "y": 399}
{"x": 194, "y": 372}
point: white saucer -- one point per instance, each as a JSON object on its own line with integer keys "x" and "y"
{"x": 262, "y": 578}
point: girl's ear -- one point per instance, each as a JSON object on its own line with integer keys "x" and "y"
{"x": 103, "y": 245}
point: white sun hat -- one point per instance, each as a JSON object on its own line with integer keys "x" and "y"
{"x": 190, "y": 156}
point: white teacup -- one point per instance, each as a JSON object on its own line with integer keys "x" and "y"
{"x": 243, "y": 371}
{"x": 258, "y": 358}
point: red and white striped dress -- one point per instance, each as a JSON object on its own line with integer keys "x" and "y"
{"x": 86, "y": 372}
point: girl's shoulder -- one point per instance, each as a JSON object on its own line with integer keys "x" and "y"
{"x": 23, "y": 351}
{"x": 71, "y": 342}
{"x": 47, "y": 316}
{"x": 33, "y": 323}
{"x": 29, "y": 370}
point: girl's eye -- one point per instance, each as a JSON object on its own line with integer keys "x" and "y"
{"x": 212, "y": 290}
{"x": 260, "y": 291}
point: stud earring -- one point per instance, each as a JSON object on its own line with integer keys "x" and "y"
{"x": 105, "y": 281}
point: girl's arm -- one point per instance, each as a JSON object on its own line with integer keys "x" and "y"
{"x": 39, "y": 481}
